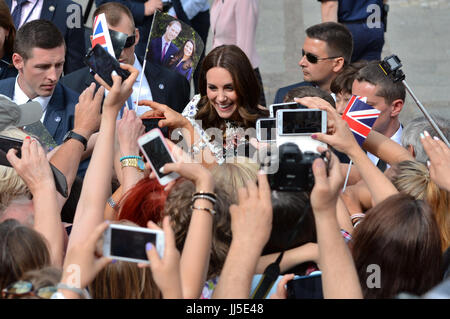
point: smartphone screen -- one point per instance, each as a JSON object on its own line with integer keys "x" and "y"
{"x": 130, "y": 244}
{"x": 267, "y": 129}
{"x": 6, "y": 143}
{"x": 157, "y": 154}
{"x": 305, "y": 287}
{"x": 102, "y": 63}
{"x": 302, "y": 122}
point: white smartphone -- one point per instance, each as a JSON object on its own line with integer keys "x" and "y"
{"x": 127, "y": 243}
{"x": 266, "y": 129}
{"x": 297, "y": 126}
{"x": 154, "y": 148}
{"x": 284, "y": 106}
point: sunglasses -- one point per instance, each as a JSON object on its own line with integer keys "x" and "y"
{"x": 130, "y": 41}
{"x": 314, "y": 59}
{"x": 25, "y": 288}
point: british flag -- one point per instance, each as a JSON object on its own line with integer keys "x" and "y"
{"x": 360, "y": 117}
{"x": 100, "y": 34}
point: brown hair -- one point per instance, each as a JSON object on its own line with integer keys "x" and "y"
{"x": 338, "y": 38}
{"x": 179, "y": 55}
{"x": 401, "y": 236}
{"x": 22, "y": 249}
{"x": 387, "y": 89}
{"x": 113, "y": 12}
{"x": 178, "y": 208}
{"x": 304, "y": 91}
{"x": 6, "y": 22}
{"x": 245, "y": 83}
{"x": 41, "y": 34}
{"x": 343, "y": 82}
{"x": 413, "y": 178}
{"x": 124, "y": 280}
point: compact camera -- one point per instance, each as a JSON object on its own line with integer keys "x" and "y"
{"x": 294, "y": 172}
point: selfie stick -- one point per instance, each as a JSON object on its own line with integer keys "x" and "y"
{"x": 391, "y": 67}
{"x": 145, "y": 58}
{"x": 348, "y": 174}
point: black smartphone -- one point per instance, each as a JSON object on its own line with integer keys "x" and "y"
{"x": 284, "y": 106}
{"x": 6, "y": 143}
{"x": 305, "y": 287}
{"x": 102, "y": 63}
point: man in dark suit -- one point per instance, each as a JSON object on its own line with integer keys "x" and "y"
{"x": 142, "y": 11}
{"x": 162, "y": 48}
{"x": 39, "y": 58}
{"x": 67, "y": 16}
{"x": 159, "y": 83}
{"x": 327, "y": 49}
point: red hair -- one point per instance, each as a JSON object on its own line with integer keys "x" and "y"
{"x": 144, "y": 202}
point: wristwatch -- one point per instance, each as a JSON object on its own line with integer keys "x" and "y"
{"x": 78, "y": 137}
{"x": 133, "y": 162}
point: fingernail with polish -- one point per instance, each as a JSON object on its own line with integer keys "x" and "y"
{"x": 113, "y": 73}
{"x": 428, "y": 163}
{"x": 314, "y": 136}
{"x": 114, "y": 261}
{"x": 161, "y": 170}
{"x": 436, "y": 138}
{"x": 426, "y": 133}
{"x": 28, "y": 138}
{"x": 422, "y": 136}
{"x": 148, "y": 246}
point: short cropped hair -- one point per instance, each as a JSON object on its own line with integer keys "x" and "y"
{"x": 388, "y": 90}
{"x": 305, "y": 91}
{"x": 338, "y": 38}
{"x": 113, "y": 12}
{"x": 416, "y": 126}
{"x": 41, "y": 34}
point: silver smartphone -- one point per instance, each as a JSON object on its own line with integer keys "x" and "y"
{"x": 127, "y": 243}
{"x": 155, "y": 149}
{"x": 266, "y": 129}
{"x": 297, "y": 126}
{"x": 301, "y": 122}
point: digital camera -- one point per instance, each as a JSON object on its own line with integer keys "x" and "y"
{"x": 294, "y": 172}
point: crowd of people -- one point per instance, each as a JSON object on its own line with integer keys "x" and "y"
{"x": 385, "y": 234}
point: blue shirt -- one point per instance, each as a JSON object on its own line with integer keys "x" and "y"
{"x": 356, "y": 10}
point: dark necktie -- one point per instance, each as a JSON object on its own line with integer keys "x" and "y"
{"x": 17, "y": 14}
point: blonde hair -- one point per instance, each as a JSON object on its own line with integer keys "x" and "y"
{"x": 413, "y": 178}
{"x": 12, "y": 185}
{"x": 124, "y": 280}
{"x": 235, "y": 175}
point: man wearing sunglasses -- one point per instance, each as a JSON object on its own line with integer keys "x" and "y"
{"x": 158, "y": 83}
{"x": 326, "y": 50}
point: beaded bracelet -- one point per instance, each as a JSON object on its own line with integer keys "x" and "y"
{"x": 209, "y": 210}
{"x": 130, "y": 157}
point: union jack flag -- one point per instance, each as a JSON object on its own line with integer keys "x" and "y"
{"x": 100, "y": 34}
{"x": 360, "y": 117}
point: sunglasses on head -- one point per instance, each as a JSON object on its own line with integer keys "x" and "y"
{"x": 314, "y": 59}
{"x": 130, "y": 41}
{"x": 25, "y": 288}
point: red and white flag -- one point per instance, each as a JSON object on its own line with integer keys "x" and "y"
{"x": 100, "y": 34}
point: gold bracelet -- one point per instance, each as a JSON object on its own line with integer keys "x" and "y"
{"x": 209, "y": 210}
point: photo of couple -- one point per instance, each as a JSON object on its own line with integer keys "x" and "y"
{"x": 174, "y": 45}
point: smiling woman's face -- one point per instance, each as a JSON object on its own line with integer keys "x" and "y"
{"x": 221, "y": 92}
{"x": 188, "y": 49}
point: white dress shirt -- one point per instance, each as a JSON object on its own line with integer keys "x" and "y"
{"x": 21, "y": 98}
